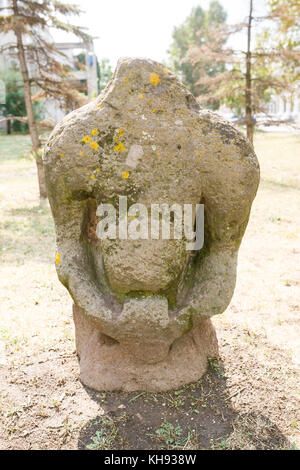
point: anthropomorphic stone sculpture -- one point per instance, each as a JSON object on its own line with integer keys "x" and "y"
{"x": 142, "y": 307}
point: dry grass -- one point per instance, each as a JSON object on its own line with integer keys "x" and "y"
{"x": 43, "y": 404}
{"x": 259, "y": 332}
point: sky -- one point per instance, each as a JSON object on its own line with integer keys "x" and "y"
{"x": 143, "y": 28}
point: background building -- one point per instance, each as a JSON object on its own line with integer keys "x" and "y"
{"x": 79, "y": 56}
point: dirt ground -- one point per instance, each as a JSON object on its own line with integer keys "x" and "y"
{"x": 249, "y": 398}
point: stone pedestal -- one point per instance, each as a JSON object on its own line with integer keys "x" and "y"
{"x": 106, "y": 365}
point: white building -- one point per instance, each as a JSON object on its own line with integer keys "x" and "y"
{"x": 285, "y": 106}
{"x": 51, "y": 108}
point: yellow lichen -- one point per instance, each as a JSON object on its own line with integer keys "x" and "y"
{"x": 120, "y": 147}
{"x": 58, "y": 259}
{"x": 94, "y": 145}
{"x": 154, "y": 79}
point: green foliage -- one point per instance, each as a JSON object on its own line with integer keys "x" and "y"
{"x": 233, "y": 92}
{"x": 104, "y": 70}
{"x": 288, "y": 12}
{"x": 104, "y": 437}
{"x": 81, "y": 60}
{"x": 104, "y": 73}
{"x": 32, "y": 23}
{"x": 170, "y": 434}
{"x": 276, "y": 66}
{"x": 15, "y": 101}
{"x": 216, "y": 14}
{"x": 192, "y": 32}
{"x": 274, "y": 56}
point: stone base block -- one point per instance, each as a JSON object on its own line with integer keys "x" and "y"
{"x": 105, "y": 365}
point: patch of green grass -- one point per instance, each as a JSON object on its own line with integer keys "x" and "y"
{"x": 104, "y": 437}
{"x": 274, "y": 219}
{"x": 56, "y": 404}
{"x": 214, "y": 364}
{"x": 176, "y": 401}
{"x": 102, "y": 397}
{"x": 21, "y": 230}
{"x": 222, "y": 445}
{"x": 8, "y": 338}
{"x": 14, "y": 147}
{"x": 199, "y": 402}
{"x": 170, "y": 435}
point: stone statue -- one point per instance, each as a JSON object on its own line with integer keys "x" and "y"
{"x": 142, "y": 305}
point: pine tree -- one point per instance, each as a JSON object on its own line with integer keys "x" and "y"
{"x": 251, "y": 75}
{"x": 193, "y": 32}
{"x": 42, "y": 65}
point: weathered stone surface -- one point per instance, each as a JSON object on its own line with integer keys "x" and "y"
{"x": 151, "y": 143}
{"x": 106, "y": 365}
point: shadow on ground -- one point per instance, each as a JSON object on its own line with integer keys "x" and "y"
{"x": 198, "y": 416}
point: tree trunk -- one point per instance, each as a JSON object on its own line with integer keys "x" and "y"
{"x": 8, "y": 127}
{"x": 248, "y": 85}
{"x": 36, "y": 144}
